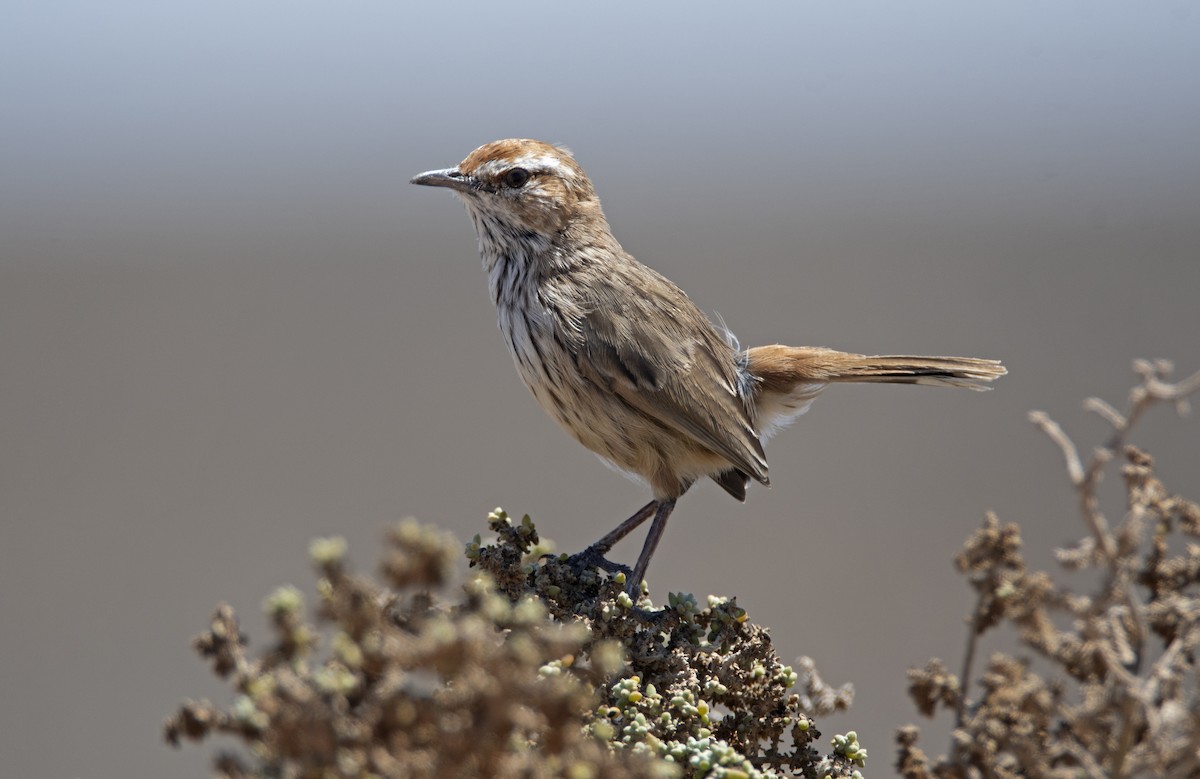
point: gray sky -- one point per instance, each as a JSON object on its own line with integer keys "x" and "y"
{"x": 227, "y": 323}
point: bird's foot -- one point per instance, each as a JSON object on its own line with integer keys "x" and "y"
{"x": 654, "y": 618}
{"x": 594, "y": 558}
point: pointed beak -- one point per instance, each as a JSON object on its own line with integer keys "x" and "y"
{"x": 452, "y": 178}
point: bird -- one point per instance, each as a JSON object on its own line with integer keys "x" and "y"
{"x": 623, "y": 359}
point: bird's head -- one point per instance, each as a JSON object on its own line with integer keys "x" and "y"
{"x": 519, "y": 184}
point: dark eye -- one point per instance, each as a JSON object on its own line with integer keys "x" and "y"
{"x": 516, "y": 177}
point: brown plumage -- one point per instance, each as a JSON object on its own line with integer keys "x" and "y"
{"x": 622, "y": 358}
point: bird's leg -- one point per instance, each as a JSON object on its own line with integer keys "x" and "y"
{"x": 594, "y": 554}
{"x": 633, "y": 586}
{"x": 610, "y": 540}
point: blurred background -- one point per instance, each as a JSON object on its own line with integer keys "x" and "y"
{"x": 228, "y": 324}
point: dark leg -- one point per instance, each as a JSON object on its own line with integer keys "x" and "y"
{"x": 625, "y": 528}
{"x": 594, "y": 554}
{"x": 633, "y": 586}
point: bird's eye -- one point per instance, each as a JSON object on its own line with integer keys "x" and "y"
{"x": 516, "y": 177}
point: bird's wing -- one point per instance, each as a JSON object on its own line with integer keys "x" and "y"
{"x": 657, "y": 352}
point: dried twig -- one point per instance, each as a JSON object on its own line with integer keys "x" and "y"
{"x": 1106, "y": 710}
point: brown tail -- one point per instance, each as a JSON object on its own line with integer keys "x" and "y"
{"x": 781, "y": 368}
{"x": 790, "y": 377}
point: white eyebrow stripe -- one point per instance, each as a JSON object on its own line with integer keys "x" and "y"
{"x": 540, "y": 162}
{"x": 543, "y": 162}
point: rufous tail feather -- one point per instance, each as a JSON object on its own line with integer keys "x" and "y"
{"x": 780, "y": 368}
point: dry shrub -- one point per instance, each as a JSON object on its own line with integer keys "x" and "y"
{"x": 537, "y": 668}
{"x": 1118, "y": 695}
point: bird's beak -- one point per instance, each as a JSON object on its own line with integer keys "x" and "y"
{"x": 452, "y": 178}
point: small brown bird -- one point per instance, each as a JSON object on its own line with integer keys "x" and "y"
{"x": 622, "y": 358}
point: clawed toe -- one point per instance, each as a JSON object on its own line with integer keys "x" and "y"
{"x": 591, "y": 558}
